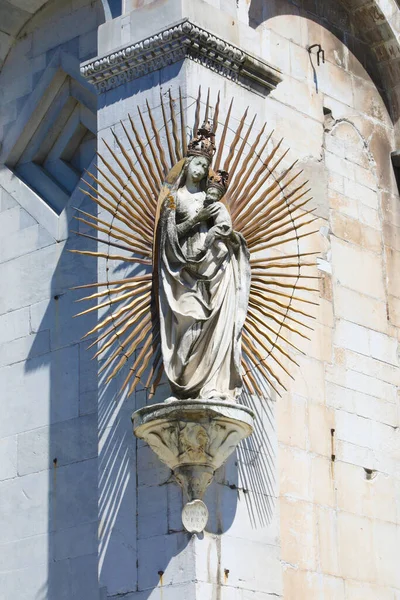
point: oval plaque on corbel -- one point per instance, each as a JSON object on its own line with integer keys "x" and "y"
{"x": 195, "y": 516}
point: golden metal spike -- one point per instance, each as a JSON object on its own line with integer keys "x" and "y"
{"x": 110, "y": 226}
{"x": 167, "y": 133}
{"x": 125, "y": 321}
{"x": 292, "y": 276}
{"x": 118, "y": 334}
{"x": 197, "y": 113}
{"x": 125, "y": 355}
{"x": 282, "y": 233}
{"x": 109, "y": 303}
{"x": 271, "y": 314}
{"x": 124, "y": 185}
{"x": 117, "y": 290}
{"x": 259, "y": 179}
{"x": 287, "y": 285}
{"x": 137, "y": 205}
{"x": 145, "y": 164}
{"x": 128, "y": 240}
{"x": 273, "y": 292}
{"x": 216, "y": 114}
{"x": 117, "y": 205}
{"x": 145, "y": 361}
{"x": 258, "y": 208}
{"x": 178, "y": 151}
{"x": 236, "y": 139}
{"x": 277, "y": 207}
{"x": 113, "y": 195}
{"x": 145, "y": 189}
{"x": 232, "y": 191}
{"x": 285, "y": 307}
{"x": 183, "y": 124}
{"x": 121, "y": 208}
{"x": 274, "y": 344}
{"x": 112, "y": 256}
{"x": 117, "y": 160}
{"x": 255, "y": 208}
{"x": 140, "y": 333}
{"x": 149, "y": 178}
{"x": 266, "y": 226}
{"x": 207, "y": 109}
{"x": 266, "y": 200}
{"x": 282, "y": 257}
{"x": 258, "y": 334}
{"x": 156, "y": 361}
{"x": 119, "y": 281}
{"x": 255, "y": 294}
{"x": 108, "y": 207}
{"x": 143, "y": 157}
{"x": 139, "y": 358}
{"x": 260, "y": 363}
{"x": 268, "y": 216}
{"x": 249, "y": 379}
{"x": 239, "y": 200}
{"x": 265, "y": 324}
{"x": 241, "y": 149}
{"x": 249, "y": 389}
{"x": 286, "y": 241}
{"x": 130, "y": 249}
{"x": 222, "y": 140}
{"x": 162, "y": 166}
{"x": 156, "y": 380}
{"x": 289, "y": 219}
{"x": 275, "y": 265}
{"x": 137, "y": 304}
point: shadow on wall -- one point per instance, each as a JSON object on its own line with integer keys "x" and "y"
{"x": 140, "y": 504}
{"x": 332, "y": 17}
{"x": 71, "y": 455}
{"x": 120, "y": 488}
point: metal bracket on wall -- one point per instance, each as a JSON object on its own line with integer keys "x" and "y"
{"x": 320, "y": 52}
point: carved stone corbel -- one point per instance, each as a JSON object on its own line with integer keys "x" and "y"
{"x": 194, "y": 438}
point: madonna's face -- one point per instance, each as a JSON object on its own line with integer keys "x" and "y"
{"x": 198, "y": 168}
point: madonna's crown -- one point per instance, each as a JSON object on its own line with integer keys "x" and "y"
{"x": 203, "y": 142}
{"x": 219, "y": 180}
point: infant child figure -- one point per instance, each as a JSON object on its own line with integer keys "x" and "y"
{"x": 222, "y": 228}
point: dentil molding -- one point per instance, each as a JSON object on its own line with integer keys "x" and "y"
{"x": 173, "y": 44}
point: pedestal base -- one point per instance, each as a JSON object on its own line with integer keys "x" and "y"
{"x": 193, "y": 437}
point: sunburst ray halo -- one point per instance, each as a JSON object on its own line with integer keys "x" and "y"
{"x": 268, "y": 206}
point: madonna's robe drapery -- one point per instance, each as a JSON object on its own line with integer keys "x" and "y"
{"x": 203, "y": 303}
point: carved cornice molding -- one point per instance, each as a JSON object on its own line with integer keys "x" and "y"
{"x": 177, "y": 42}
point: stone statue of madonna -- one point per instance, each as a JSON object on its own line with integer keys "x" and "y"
{"x": 204, "y": 281}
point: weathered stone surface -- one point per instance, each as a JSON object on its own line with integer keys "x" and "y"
{"x": 75, "y": 440}
{"x": 193, "y": 437}
{"x": 338, "y": 528}
{"x": 26, "y": 388}
{"x": 8, "y": 450}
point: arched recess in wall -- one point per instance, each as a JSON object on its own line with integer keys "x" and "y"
{"x": 16, "y": 14}
{"x": 48, "y": 116}
{"x": 369, "y": 29}
{"x": 359, "y": 86}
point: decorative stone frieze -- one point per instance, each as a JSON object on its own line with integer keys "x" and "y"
{"x": 180, "y": 41}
